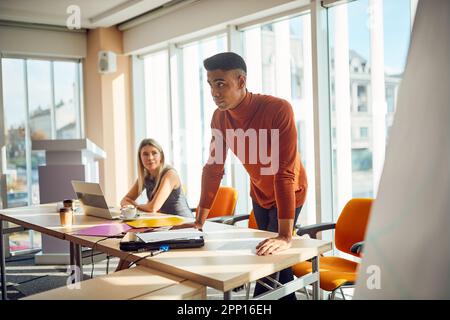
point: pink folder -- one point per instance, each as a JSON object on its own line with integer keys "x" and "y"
{"x": 104, "y": 230}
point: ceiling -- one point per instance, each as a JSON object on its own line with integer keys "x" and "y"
{"x": 94, "y": 13}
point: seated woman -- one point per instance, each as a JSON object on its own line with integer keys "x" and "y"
{"x": 161, "y": 183}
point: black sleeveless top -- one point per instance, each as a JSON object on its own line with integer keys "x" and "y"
{"x": 175, "y": 203}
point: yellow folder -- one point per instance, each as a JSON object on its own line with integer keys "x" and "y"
{"x": 156, "y": 222}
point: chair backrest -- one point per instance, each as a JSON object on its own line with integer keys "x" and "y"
{"x": 352, "y": 224}
{"x": 252, "y": 221}
{"x": 224, "y": 203}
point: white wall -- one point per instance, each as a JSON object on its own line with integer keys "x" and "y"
{"x": 201, "y": 17}
{"x": 37, "y": 42}
{"x": 407, "y": 250}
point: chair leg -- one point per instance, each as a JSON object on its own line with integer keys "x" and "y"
{"x": 342, "y": 293}
{"x": 107, "y": 264}
{"x": 247, "y": 293}
{"x": 304, "y": 291}
{"x": 307, "y": 293}
{"x": 332, "y": 295}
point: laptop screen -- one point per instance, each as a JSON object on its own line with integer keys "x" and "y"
{"x": 90, "y": 194}
{"x": 92, "y": 200}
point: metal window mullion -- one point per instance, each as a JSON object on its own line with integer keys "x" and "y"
{"x": 202, "y": 104}
{"x": 27, "y": 132}
{"x": 3, "y": 187}
{"x": 169, "y": 95}
{"x": 53, "y": 104}
{"x": 234, "y": 45}
{"x": 322, "y": 120}
{"x": 181, "y": 109}
{"x": 139, "y": 112}
{"x": 80, "y": 101}
{"x": 172, "y": 51}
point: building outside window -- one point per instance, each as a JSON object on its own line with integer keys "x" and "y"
{"x": 363, "y": 132}
{"x": 368, "y": 45}
{"x": 362, "y": 98}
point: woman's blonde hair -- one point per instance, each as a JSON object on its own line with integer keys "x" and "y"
{"x": 143, "y": 173}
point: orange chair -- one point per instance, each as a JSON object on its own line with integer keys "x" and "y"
{"x": 250, "y": 217}
{"x": 252, "y": 221}
{"x": 350, "y": 228}
{"x": 223, "y": 205}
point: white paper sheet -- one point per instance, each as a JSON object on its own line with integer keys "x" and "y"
{"x": 156, "y": 236}
{"x": 244, "y": 244}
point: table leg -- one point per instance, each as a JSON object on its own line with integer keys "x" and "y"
{"x": 72, "y": 262}
{"x": 79, "y": 260}
{"x": 316, "y": 284}
{"x": 72, "y": 254}
{"x": 76, "y": 261}
{"x": 2, "y": 263}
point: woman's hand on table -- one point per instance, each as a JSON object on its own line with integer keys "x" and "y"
{"x": 127, "y": 201}
{"x": 147, "y": 208}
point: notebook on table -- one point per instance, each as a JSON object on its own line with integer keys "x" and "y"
{"x": 104, "y": 230}
{"x": 155, "y": 222}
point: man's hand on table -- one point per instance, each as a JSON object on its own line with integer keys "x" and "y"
{"x": 194, "y": 225}
{"x": 273, "y": 245}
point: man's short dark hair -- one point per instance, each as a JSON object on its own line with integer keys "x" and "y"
{"x": 225, "y": 61}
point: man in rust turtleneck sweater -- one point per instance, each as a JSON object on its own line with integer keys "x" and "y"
{"x": 260, "y": 130}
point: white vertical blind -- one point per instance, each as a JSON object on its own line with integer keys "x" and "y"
{"x": 343, "y": 112}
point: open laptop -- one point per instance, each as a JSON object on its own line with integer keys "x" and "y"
{"x": 93, "y": 201}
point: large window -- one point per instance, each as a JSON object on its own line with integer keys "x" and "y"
{"x": 15, "y": 120}
{"x": 278, "y": 56}
{"x": 41, "y": 100}
{"x": 67, "y": 104}
{"x": 352, "y": 112}
{"x": 368, "y": 44}
{"x": 179, "y": 108}
{"x": 194, "y": 113}
{"x": 157, "y": 104}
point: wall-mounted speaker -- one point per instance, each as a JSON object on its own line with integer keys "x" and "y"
{"x": 107, "y": 62}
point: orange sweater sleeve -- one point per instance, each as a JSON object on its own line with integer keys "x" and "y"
{"x": 284, "y": 178}
{"x": 214, "y": 169}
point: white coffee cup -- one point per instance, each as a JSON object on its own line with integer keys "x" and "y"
{"x": 128, "y": 212}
